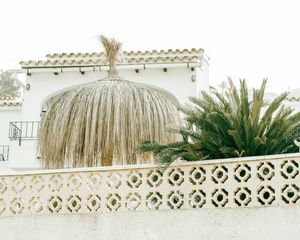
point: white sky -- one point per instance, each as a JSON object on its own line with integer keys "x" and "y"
{"x": 249, "y": 39}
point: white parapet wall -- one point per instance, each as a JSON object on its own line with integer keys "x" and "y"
{"x": 243, "y": 198}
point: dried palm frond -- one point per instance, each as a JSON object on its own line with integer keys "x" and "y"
{"x": 101, "y": 123}
{"x": 112, "y": 48}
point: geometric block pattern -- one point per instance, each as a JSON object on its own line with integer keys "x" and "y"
{"x": 245, "y": 182}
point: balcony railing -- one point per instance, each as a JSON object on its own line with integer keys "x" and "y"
{"x": 217, "y": 184}
{"x": 4, "y": 152}
{"x": 23, "y": 130}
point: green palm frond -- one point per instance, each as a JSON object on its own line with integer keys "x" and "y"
{"x": 233, "y": 124}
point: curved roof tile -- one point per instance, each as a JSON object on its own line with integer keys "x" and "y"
{"x": 10, "y": 102}
{"x": 131, "y": 57}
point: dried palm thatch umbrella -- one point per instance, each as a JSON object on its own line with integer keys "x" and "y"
{"x": 100, "y": 123}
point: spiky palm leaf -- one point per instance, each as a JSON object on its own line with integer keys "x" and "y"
{"x": 233, "y": 125}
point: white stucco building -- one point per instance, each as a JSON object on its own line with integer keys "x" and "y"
{"x": 197, "y": 200}
{"x": 177, "y": 74}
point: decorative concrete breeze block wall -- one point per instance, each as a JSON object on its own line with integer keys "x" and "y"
{"x": 191, "y": 199}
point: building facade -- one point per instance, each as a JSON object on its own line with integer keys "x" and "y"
{"x": 177, "y": 74}
{"x": 135, "y": 201}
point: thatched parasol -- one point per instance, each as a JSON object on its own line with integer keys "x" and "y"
{"x": 100, "y": 123}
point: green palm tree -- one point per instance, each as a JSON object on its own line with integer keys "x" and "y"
{"x": 232, "y": 125}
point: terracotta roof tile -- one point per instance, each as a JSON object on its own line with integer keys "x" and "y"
{"x": 293, "y": 99}
{"x": 131, "y": 57}
{"x": 10, "y": 102}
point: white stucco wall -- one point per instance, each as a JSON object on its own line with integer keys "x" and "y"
{"x": 251, "y": 198}
{"x": 280, "y": 223}
{"x": 4, "y": 167}
{"x": 7, "y": 114}
{"x": 23, "y": 155}
{"x": 202, "y": 77}
{"x": 178, "y": 81}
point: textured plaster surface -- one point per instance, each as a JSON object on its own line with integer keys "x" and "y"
{"x": 209, "y": 224}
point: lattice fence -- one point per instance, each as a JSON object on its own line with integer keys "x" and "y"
{"x": 226, "y": 184}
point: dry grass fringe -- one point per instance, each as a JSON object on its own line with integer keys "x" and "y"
{"x": 100, "y": 123}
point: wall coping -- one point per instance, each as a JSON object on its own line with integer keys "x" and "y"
{"x": 178, "y": 163}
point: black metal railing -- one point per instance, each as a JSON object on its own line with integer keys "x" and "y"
{"x": 23, "y": 130}
{"x": 4, "y": 152}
